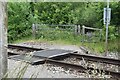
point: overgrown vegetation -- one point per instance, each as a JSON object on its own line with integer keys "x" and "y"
{"x": 21, "y": 16}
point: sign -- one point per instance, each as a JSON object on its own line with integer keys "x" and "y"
{"x": 107, "y": 15}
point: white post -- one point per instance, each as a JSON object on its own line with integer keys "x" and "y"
{"x": 76, "y": 29}
{"x": 107, "y": 24}
{"x": 79, "y": 29}
{"x": 83, "y": 32}
{"x": 34, "y": 31}
{"x": 3, "y": 39}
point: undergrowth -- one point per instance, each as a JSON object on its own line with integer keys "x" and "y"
{"x": 98, "y": 47}
{"x": 68, "y": 37}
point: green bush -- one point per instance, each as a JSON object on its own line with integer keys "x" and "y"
{"x": 21, "y": 16}
{"x": 19, "y": 21}
{"x": 112, "y": 33}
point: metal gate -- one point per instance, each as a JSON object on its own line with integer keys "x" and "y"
{"x": 54, "y": 32}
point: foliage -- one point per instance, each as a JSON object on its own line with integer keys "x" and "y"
{"x": 54, "y": 13}
{"x": 21, "y": 16}
{"x": 115, "y": 14}
{"x": 56, "y": 33}
{"x": 112, "y": 34}
{"x": 19, "y": 20}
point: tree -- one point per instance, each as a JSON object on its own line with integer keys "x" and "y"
{"x": 3, "y": 39}
{"x": 23, "y": 15}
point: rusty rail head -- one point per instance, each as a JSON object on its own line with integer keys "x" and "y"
{"x": 97, "y": 58}
{"x": 23, "y": 47}
{"x": 81, "y": 68}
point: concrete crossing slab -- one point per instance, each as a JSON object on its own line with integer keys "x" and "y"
{"x": 52, "y": 53}
{"x": 41, "y": 56}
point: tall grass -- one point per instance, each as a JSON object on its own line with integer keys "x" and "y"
{"x": 18, "y": 72}
{"x": 67, "y": 36}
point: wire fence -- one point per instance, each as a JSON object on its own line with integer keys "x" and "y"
{"x": 54, "y": 32}
{"x": 45, "y": 30}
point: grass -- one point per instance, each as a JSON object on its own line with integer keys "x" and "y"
{"x": 98, "y": 47}
{"x": 20, "y": 69}
{"x": 67, "y": 37}
{"x": 64, "y": 38}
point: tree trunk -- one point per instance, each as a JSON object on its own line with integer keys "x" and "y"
{"x": 3, "y": 39}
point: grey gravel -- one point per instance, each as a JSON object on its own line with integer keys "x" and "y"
{"x": 54, "y": 71}
{"x": 40, "y": 71}
{"x": 95, "y": 65}
{"x": 18, "y": 51}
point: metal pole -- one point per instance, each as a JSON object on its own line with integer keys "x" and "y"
{"x": 107, "y": 3}
{"x": 107, "y": 24}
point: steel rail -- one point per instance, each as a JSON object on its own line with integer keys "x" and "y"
{"x": 12, "y": 53}
{"x": 97, "y": 58}
{"x": 75, "y": 66}
{"x": 85, "y": 56}
{"x": 81, "y": 68}
{"x": 23, "y": 47}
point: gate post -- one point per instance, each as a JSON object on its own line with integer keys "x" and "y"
{"x": 83, "y": 33}
{"x": 34, "y": 31}
{"x": 79, "y": 29}
{"x": 76, "y": 29}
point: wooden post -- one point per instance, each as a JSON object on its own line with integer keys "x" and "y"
{"x": 34, "y": 31}
{"x": 83, "y": 33}
{"x": 79, "y": 29}
{"x": 3, "y": 39}
{"x": 83, "y": 27}
{"x": 76, "y": 29}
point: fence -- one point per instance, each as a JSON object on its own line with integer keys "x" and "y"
{"x": 92, "y": 35}
{"x": 36, "y": 28}
{"x": 65, "y": 31}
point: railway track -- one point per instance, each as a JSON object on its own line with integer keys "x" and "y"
{"x": 17, "y": 49}
{"x": 97, "y": 59}
{"x": 23, "y": 47}
{"x": 76, "y": 66}
{"x": 80, "y": 56}
{"x": 81, "y": 68}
